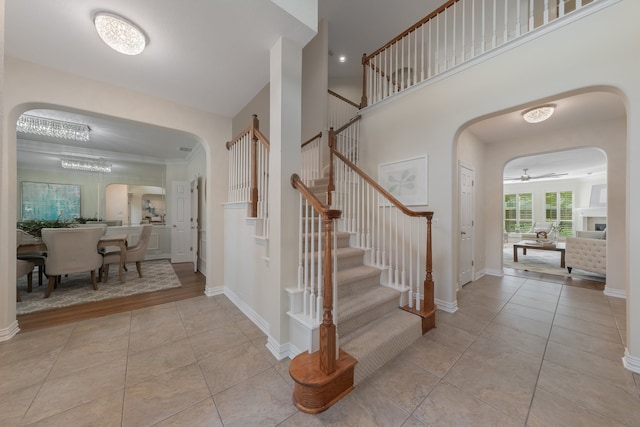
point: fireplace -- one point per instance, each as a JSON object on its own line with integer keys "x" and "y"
{"x": 600, "y": 227}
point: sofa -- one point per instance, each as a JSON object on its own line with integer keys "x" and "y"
{"x": 536, "y": 228}
{"x": 587, "y": 251}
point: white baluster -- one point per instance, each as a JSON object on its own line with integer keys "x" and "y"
{"x": 319, "y": 307}
{"x": 473, "y": 28}
{"x": 397, "y": 251}
{"x": 411, "y": 262}
{"x": 531, "y": 15}
{"x": 518, "y": 19}
{"x": 505, "y": 37}
{"x": 494, "y": 32}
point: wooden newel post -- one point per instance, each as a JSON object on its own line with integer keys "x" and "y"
{"x": 363, "y": 100}
{"x": 428, "y": 281}
{"x": 328, "y": 343}
{"x": 332, "y": 147}
{"x": 254, "y": 167}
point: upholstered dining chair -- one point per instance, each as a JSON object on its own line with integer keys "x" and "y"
{"x": 38, "y": 258}
{"x": 23, "y": 267}
{"x": 136, "y": 253}
{"x": 71, "y": 250}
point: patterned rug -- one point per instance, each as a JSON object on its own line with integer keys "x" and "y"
{"x": 543, "y": 262}
{"x": 77, "y": 289}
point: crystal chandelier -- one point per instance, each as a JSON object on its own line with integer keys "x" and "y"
{"x": 119, "y": 34}
{"x": 539, "y": 114}
{"x": 87, "y": 165}
{"x": 54, "y": 128}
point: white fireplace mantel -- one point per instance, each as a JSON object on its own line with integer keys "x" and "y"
{"x": 591, "y": 212}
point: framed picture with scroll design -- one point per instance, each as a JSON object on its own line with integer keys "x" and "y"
{"x": 406, "y": 180}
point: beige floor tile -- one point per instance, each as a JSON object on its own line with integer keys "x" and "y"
{"x": 498, "y": 375}
{"x": 34, "y": 344}
{"x": 75, "y": 359}
{"x": 479, "y": 311}
{"x": 523, "y": 324}
{"x": 586, "y": 315}
{"x": 586, "y": 303}
{"x": 549, "y": 410}
{"x": 405, "y": 383}
{"x": 157, "y": 316}
{"x": 448, "y": 405}
{"x": 202, "y": 414}
{"x": 364, "y": 406}
{"x": 485, "y": 301}
{"x": 537, "y": 295}
{"x": 162, "y": 396}
{"x": 262, "y": 400}
{"x": 431, "y": 356}
{"x": 608, "y": 370}
{"x": 105, "y": 411}
{"x": 226, "y": 369}
{"x": 63, "y": 393}
{"x": 250, "y": 329}
{"x": 217, "y": 340}
{"x": 282, "y": 367}
{"x": 540, "y": 286}
{"x": 200, "y": 321}
{"x": 100, "y": 329}
{"x": 462, "y": 321}
{"x": 452, "y": 337}
{"x": 607, "y": 349}
{"x": 27, "y": 372}
{"x": 413, "y": 422}
{"x": 593, "y": 394}
{"x": 538, "y": 304}
{"x": 159, "y": 360}
{"x": 607, "y": 333}
{"x": 522, "y": 341}
{"x": 14, "y": 404}
{"x": 146, "y": 339}
{"x": 529, "y": 312}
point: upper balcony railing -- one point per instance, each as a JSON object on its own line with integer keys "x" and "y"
{"x": 456, "y": 32}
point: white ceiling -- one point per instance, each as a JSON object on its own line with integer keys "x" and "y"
{"x": 214, "y": 55}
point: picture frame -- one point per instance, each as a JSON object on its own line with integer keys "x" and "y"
{"x": 406, "y": 180}
{"x": 49, "y": 201}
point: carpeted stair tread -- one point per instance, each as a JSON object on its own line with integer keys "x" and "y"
{"x": 358, "y": 309}
{"x": 380, "y": 341}
{"x": 354, "y": 274}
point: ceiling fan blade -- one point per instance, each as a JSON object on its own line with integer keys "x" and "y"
{"x": 548, "y": 175}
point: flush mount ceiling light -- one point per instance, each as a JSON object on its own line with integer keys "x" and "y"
{"x": 538, "y": 114}
{"x": 84, "y": 164}
{"x": 53, "y": 128}
{"x": 119, "y": 33}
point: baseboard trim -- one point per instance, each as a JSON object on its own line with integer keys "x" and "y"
{"x": 494, "y": 272}
{"x": 630, "y": 362}
{"x": 616, "y": 293}
{"x": 214, "y": 290}
{"x": 247, "y": 311}
{"x": 449, "y": 307}
{"x": 279, "y": 351}
{"x": 9, "y": 332}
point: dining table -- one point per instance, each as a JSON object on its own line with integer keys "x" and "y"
{"x": 117, "y": 239}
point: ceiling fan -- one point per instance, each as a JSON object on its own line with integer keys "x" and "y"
{"x": 526, "y": 177}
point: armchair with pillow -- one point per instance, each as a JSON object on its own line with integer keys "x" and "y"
{"x": 587, "y": 251}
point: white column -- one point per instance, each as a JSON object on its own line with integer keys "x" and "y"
{"x": 8, "y": 324}
{"x": 284, "y": 160}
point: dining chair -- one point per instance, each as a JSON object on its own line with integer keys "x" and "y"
{"x": 136, "y": 253}
{"x": 71, "y": 250}
{"x": 38, "y": 258}
{"x": 23, "y": 267}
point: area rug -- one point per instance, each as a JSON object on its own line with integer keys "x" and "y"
{"x": 76, "y": 288}
{"x": 543, "y": 262}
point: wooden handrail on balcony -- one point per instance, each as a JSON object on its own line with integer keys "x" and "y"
{"x": 256, "y": 136}
{"x": 342, "y": 98}
{"x": 310, "y": 140}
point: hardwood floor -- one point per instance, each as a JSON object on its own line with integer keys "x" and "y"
{"x": 193, "y": 285}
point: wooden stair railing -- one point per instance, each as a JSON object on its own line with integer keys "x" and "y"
{"x": 420, "y": 302}
{"x": 249, "y": 169}
{"x": 454, "y": 33}
{"x": 324, "y": 377}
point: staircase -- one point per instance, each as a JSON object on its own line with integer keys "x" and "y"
{"x": 371, "y": 326}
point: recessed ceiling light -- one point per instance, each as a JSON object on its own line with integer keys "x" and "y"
{"x": 119, "y": 33}
{"x": 342, "y": 58}
{"x": 538, "y": 114}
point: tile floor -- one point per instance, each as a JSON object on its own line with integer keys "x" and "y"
{"x": 517, "y": 352}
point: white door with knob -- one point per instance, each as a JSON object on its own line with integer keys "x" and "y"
{"x": 465, "y": 244}
{"x": 181, "y": 222}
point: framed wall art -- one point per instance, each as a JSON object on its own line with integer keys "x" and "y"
{"x": 46, "y": 201}
{"x": 406, "y": 180}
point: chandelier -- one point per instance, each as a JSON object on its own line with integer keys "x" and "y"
{"x": 119, "y": 34}
{"x": 539, "y": 114}
{"x": 54, "y": 128}
{"x": 87, "y": 165}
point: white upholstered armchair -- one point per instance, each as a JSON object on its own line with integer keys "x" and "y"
{"x": 71, "y": 250}
{"x": 586, "y": 254}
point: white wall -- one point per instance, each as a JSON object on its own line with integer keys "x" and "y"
{"x": 429, "y": 119}
{"x": 29, "y": 86}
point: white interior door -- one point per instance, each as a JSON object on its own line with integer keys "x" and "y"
{"x": 195, "y": 237}
{"x": 466, "y": 226}
{"x": 181, "y": 222}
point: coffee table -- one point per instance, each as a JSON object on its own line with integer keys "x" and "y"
{"x": 533, "y": 245}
